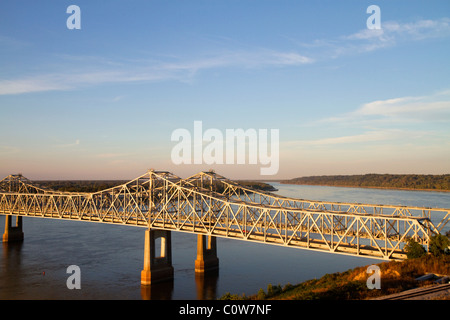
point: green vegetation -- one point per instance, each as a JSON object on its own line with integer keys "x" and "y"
{"x": 79, "y": 185}
{"x": 395, "y": 277}
{"x": 414, "y": 250}
{"x": 99, "y": 185}
{"x": 439, "y": 245}
{"x": 351, "y": 284}
{"x": 391, "y": 181}
{"x": 257, "y": 185}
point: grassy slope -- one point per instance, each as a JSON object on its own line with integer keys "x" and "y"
{"x": 395, "y": 277}
{"x": 351, "y": 284}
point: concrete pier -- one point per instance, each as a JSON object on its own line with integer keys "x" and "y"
{"x": 206, "y": 254}
{"x": 157, "y": 268}
{"x": 13, "y": 233}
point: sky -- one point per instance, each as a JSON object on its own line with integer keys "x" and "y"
{"x": 102, "y": 101}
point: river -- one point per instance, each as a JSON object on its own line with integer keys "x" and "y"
{"x": 111, "y": 257}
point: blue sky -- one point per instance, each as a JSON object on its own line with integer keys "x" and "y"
{"x": 101, "y": 102}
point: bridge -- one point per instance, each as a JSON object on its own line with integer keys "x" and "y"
{"x": 211, "y": 206}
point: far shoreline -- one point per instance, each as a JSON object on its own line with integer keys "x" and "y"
{"x": 364, "y": 187}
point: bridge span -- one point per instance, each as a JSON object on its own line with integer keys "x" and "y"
{"x": 211, "y": 206}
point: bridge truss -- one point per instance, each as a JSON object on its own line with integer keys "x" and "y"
{"x": 210, "y": 204}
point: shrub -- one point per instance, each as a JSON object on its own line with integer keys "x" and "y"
{"x": 229, "y": 296}
{"x": 287, "y": 287}
{"x": 261, "y": 294}
{"x": 273, "y": 290}
{"x": 414, "y": 249}
{"x": 439, "y": 245}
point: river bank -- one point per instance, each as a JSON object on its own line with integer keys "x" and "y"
{"x": 352, "y": 284}
{"x": 409, "y": 182}
{"x": 366, "y": 187}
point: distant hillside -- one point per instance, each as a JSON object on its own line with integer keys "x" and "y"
{"x": 388, "y": 181}
{"x": 258, "y": 185}
{"x": 95, "y": 186}
{"x": 79, "y": 185}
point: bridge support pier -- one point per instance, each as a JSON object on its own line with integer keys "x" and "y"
{"x": 206, "y": 254}
{"x": 13, "y": 233}
{"x": 157, "y": 268}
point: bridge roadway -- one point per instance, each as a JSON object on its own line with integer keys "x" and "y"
{"x": 212, "y": 206}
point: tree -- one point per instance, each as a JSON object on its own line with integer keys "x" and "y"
{"x": 261, "y": 294}
{"x": 439, "y": 245}
{"x": 414, "y": 249}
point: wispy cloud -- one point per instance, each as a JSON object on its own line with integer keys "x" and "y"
{"x": 4, "y": 150}
{"x": 31, "y": 84}
{"x": 434, "y": 107}
{"x": 12, "y": 44}
{"x": 111, "y": 155}
{"x": 388, "y": 122}
{"x": 69, "y": 145}
{"x": 100, "y": 70}
{"x": 393, "y": 32}
{"x": 412, "y": 109}
{"x": 149, "y": 71}
{"x": 118, "y": 98}
{"x": 364, "y": 137}
{"x": 366, "y": 40}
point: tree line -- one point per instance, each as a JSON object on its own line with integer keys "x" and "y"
{"x": 99, "y": 185}
{"x": 79, "y": 185}
{"x": 394, "y": 181}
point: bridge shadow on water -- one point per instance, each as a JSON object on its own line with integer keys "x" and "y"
{"x": 205, "y": 284}
{"x": 11, "y": 259}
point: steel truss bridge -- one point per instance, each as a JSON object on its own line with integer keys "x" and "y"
{"x": 209, "y": 204}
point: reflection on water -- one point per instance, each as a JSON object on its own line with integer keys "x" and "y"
{"x": 11, "y": 265}
{"x": 111, "y": 257}
{"x": 158, "y": 291}
{"x": 206, "y": 285}
{"x": 205, "y": 288}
